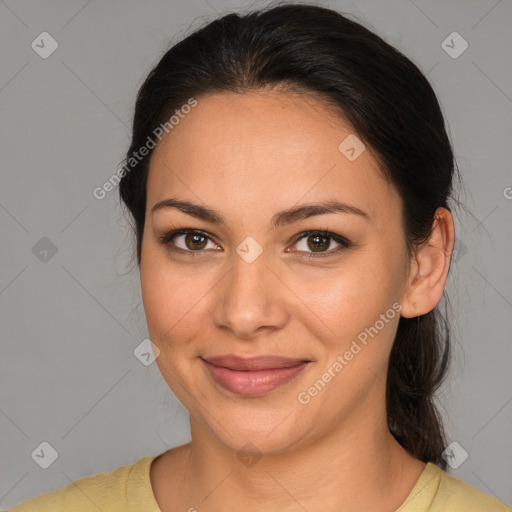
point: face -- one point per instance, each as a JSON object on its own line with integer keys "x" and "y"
{"x": 321, "y": 288}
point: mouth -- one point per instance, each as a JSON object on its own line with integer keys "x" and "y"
{"x": 254, "y": 376}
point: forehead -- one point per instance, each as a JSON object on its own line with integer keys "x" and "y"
{"x": 276, "y": 147}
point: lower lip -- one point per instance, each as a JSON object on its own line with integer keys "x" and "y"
{"x": 253, "y": 383}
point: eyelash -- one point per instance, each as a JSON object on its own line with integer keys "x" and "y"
{"x": 168, "y": 237}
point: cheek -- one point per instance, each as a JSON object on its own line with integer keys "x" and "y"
{"x": 349, "y": 296}
{"x": 347, "y": 305}
{"x": 174, "y": 299}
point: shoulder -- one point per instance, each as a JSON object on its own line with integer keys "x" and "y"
{"x": 438, "y": 491}
{"x": 456, "y": 494}
{"x": 118, "y": 490}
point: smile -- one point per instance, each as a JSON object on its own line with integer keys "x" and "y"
{"x": 255, "y": 376}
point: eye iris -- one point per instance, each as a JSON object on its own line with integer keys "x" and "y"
{"x": 196, "y": 240}
{"x": 317, "y": 242}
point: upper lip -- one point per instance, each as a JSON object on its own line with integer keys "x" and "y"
{"x": 265, "y": 362}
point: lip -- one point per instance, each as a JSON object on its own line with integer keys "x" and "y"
{"x": 253, "y": 376}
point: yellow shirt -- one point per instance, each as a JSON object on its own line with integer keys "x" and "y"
{"x": 128, "y": 489}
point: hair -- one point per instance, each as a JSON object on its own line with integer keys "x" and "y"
{"x": 390, "y": 104}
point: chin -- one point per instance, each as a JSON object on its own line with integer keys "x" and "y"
{"x": 262, "y": 432}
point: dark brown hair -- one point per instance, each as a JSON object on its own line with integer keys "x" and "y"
{"x": 393, "y": 109}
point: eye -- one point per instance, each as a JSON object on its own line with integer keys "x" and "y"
{"x": 320, "y": 243}
{"x": 312, "y": 243}
{"x": 187, "y": 240}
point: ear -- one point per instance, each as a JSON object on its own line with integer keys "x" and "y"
{"x": 429, "y": 268}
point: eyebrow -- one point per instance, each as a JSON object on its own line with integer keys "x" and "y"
{"x": 282, "y": 218}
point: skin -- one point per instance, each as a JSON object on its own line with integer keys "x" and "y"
{"x": 247, "y": 157}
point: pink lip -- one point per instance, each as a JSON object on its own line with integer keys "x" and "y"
{"x": 254, "y": 376}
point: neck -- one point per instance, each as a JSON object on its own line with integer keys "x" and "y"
{"x": 353, "y": 469}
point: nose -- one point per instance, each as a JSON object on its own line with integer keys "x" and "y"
{"x": 250, "y": 300}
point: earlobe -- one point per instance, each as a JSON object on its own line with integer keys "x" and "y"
{"x": 429, "y": 268}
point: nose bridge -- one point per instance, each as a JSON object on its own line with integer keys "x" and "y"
{"x": 249, "y": 299}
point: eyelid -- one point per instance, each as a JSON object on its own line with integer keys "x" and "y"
{"x": 343, "y": 242}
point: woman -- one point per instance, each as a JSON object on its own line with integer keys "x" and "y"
{"x": 289, "y": 178}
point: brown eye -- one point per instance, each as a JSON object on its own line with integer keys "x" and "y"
{"x": 186, "y": 240}
{"x": 318, "y": 242}
{"x": 311, "y": 243}
{"x": 321, "y": 243}
{"x": 194, "y": 242}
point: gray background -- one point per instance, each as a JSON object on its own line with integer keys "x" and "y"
{"x": 70, "y": 321}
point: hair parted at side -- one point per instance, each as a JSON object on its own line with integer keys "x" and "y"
{"x": 391, "y": 107}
